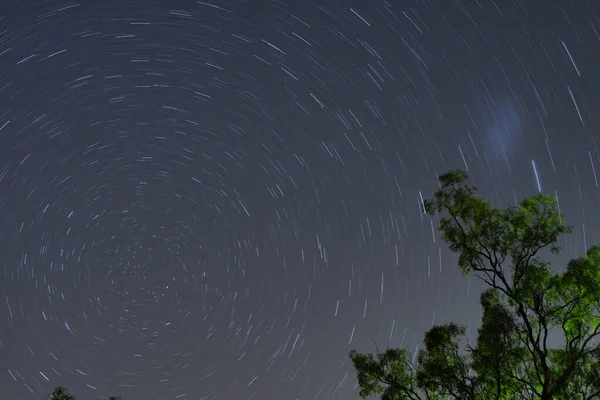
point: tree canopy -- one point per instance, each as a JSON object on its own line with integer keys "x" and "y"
{"x": 525, "y": 303}
{"x": 62, "y": 393}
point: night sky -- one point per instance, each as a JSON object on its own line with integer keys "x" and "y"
{"x": 219, "y": 200}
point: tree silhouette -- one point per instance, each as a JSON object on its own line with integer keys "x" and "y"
{"x": 62, "y": 393}
{"x": 525, "y": 304}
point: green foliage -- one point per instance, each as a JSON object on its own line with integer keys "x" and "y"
{"x": 526, "y": 302}
{"x": 387, "y": 374}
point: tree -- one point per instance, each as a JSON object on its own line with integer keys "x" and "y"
{"x": 525, "y": 304}
{"x": 62, "y": 393}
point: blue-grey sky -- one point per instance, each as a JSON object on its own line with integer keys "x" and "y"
{"x": 218, "y": 200}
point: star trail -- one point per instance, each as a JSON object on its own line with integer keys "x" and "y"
{"x": 218, "y": 200}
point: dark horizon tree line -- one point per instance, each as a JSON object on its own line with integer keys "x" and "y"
{"x": 63, "y": 393}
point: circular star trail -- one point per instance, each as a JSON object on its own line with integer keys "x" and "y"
{"x": 218, "y": 200}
